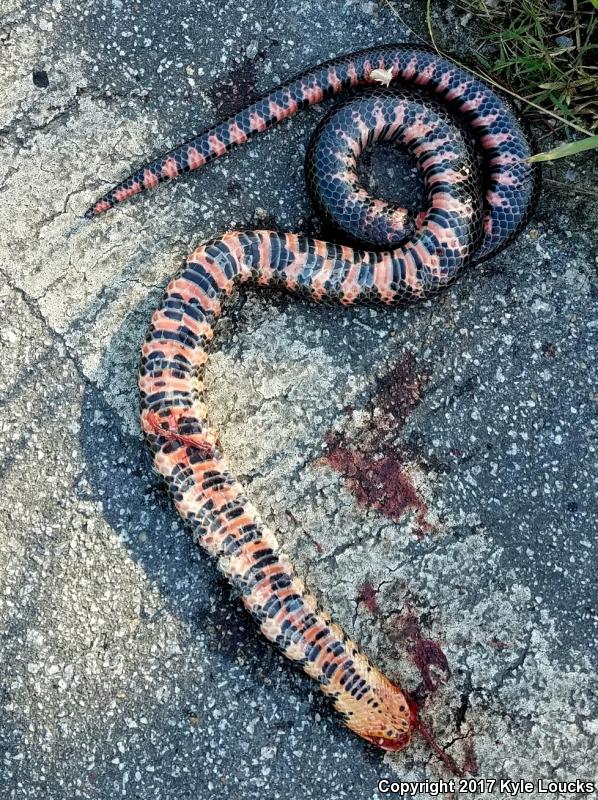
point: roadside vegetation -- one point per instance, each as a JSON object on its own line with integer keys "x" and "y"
{"x": 542, "y": 52}
{"x": 546, "y": 50}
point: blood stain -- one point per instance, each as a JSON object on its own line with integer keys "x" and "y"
{"x": 367, "y": 596}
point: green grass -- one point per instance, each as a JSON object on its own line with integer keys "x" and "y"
{"x": 567, "y": 150}
{"x": 547, "y": 56}
{"x": 517, "y": 45}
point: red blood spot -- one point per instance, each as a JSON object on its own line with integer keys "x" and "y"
{"x": 410, "y": 626}
{"x": 414, "y": 706}
{"x": 447, "y": 760}
{"x": 367, "y": 596}
{"x": 374, "y": 467}
{"x": 380, "y": 483}
{"x": 426, "y": 654}
{"x": 470, "y": 763}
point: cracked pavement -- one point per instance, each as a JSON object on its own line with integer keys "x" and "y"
{"x": 431, "y": 471}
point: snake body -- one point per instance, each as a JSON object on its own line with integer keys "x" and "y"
{"x": 436, "y": 109}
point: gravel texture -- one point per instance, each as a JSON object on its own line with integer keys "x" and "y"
{"x": 431, "y": 471}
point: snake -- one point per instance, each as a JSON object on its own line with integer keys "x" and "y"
{"x": 472, "y": 152}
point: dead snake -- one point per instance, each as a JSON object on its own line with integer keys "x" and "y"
{"x": 471, "y": 151}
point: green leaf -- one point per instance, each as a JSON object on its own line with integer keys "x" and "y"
{"x": 565, "y": 150}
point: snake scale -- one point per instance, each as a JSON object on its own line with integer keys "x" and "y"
{"x": 470, "y": 150}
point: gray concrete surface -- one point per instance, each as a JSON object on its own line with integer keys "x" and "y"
{"x": 431, "y": 471}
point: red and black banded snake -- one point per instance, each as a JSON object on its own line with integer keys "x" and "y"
{"x": 451, "y": 122}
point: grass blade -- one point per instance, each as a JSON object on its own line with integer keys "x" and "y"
{"x": 565, "y": 150}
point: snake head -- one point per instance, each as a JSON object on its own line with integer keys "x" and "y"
{"x": 394, "y": 722}
{"x": 384, "y": 716}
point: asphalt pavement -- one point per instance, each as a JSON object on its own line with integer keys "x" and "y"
{"x": 431, "y": 471}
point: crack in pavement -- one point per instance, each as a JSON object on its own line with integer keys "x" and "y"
{"x": 23, "y": 126}
{"x": 519, "y": 661}
{"x": 57, "y": 337}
